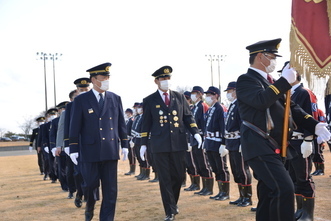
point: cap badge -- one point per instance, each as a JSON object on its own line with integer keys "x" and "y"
{"x": 166, "y": 71}
{"x": 107, "y": 68}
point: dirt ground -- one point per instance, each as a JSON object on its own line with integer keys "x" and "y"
{"x": 24, "y": 195}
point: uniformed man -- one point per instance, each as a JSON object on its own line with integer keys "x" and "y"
{"x": 300, "y": 165}
{"x": 34, "y": 138}
{"x": 240, "y": 169}
{"x": 261, "y": 107}
{"x": 97, "y": 127}
{"x": 199, "y": 154}
{"x": 131, "y": 155}
{"x": 166, "y": 114}
{"x": 52, "y": 114}
{"x": 56, "y": 150}
{"x": 214, "y": 145}
{"x": 136, "y": 134}
{"x": 190, "y": 165}
{"x": 73, "y": 172}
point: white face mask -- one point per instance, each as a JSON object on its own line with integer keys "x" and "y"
{"x": 209, "y": 101}
{"x": 194, "y": 97}
{"x": 230, "y": 97}
{"x": 165, "y": 85}
{"x": 52, "y": 117}
{"x": 134, "y": 112}
{"x": 104, "y": 85}
{"x": 139, "y": 110}
{"x": 272, "y": 65}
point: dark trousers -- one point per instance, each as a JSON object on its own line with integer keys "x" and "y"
{"x": 219, "y": 166}
{"x": 52, "y": 167}
{"x": 46, "y": 162}
{"x": 61, "y": 170}
{"x": 240, "y": 169}
{"x": 132, "y": 156}
{"x": 171, "y": 170}
{"x": 202, "y": 163}
{"x": 150, "y": 156}
{"x": 299, "y": 169}
{"x": 92, "y": 173}
{"x": 40, "y": 161}
{"x": 317, "y": 155}
{"x": 189, "y": 164}
{"x": 275, "y": 189}
{"x": 78, "y": 180}
{"x": 70, "y": 175}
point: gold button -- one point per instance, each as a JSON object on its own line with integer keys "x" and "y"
{"x": 100, "y": 128}
{"x": 111, "y": 128}
{"x": 100, "y": 118}
{"x": 112, "y": 138}
{"x": 110, "y": 118}
{"x": 103, "y": 138}
{"x": 169, "y": 114}
{"x": 170, "y": 122}
{"x": 171, "y": 131}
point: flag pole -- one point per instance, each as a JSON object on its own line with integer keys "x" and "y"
{"x": 286, "y": 121}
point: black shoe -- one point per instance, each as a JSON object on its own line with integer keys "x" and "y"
{"x": 70, "y": 195}
{"x": 170, "y": 217}
{"x": 41, "y": 173}
{"x": 253, "y": 209}
{"x": 236, "y": 202}
{"x": 53, "y": 181}
{"x": 45, "y": 176}
{"x": 88, "y": 216}
{"x": 78, "y": 201}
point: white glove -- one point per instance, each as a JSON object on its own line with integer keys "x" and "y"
{"x": 199, "y": 139}
{"x": 306, "y": 148}
{"x": 30, "y": 148}
{"x": 53, "y": 151}
{"x": 125, "y": 152}
{"x": 322, "y": 132}
{"x": 240, "y": 148}
{"x": 289, "y": 74}
{"x": 223, "y": 151}
{"x": 67, "y": 151}
{"x": 142, "y": 152}
{"x": 189, "y": 147}
{"x": 46, "y": 149}
{"x": 73, "y": 157}
{"x": 131, "y": 144}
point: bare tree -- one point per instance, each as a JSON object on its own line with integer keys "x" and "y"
{"x": 2, "y": 132}
{"x": 27, "y": 125}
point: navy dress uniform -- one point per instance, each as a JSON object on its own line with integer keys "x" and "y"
{"x": 199, "y": 155}
{"x": 40, "y": 145}
{"x": 46, "y": 144}
{"x": 240, "y": 169}
{"x": 97, "y": 128}
{"x": 300, "y": 165}
{"x": 131, "y": 155}
{"x": 214, "y": 137}
{"x": 74, "y": 177}
{"x": 61, "y": 159}
{"x": 165, "y": 119}
{"x": 34, "y": 141}
{"x": 261, "y": 107}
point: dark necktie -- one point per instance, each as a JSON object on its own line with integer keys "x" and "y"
{"x": 100, "y": 101}
{"x": 269, "y": 78}
{"x": 166, "y": 99}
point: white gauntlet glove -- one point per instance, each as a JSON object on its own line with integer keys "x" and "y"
{"x": 46, "y": 149}
{"x": 306, "y": 148}
{"x": 199, "y": 139}
{"x": 289, "y": 74}
{"x": 125, "y": 152}
{"x": 322, "y": 132}
{"x": 142, "y": 152}
{"x": 73, "y": 157}
{"x": 223, "y": 151}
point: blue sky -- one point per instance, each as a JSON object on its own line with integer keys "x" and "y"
{"x": 137, "y": 37}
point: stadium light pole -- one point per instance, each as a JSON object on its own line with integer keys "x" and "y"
{"x": 211, "y": 67}
{"x": 43, "y": 56}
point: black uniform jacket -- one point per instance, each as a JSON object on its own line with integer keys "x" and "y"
{"x": 302, "y": 98}
{"x": 96, "y": 134}
{"x": 34, "y": 137}
{"x": 199, "y": 117}
{"x": 167, "y": 124}
{"x": 255, "y": 95}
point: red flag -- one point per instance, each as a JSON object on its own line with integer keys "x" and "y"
{"x": 310, "y": 39}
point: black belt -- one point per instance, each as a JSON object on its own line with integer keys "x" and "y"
{"x": 262, "y": 134}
